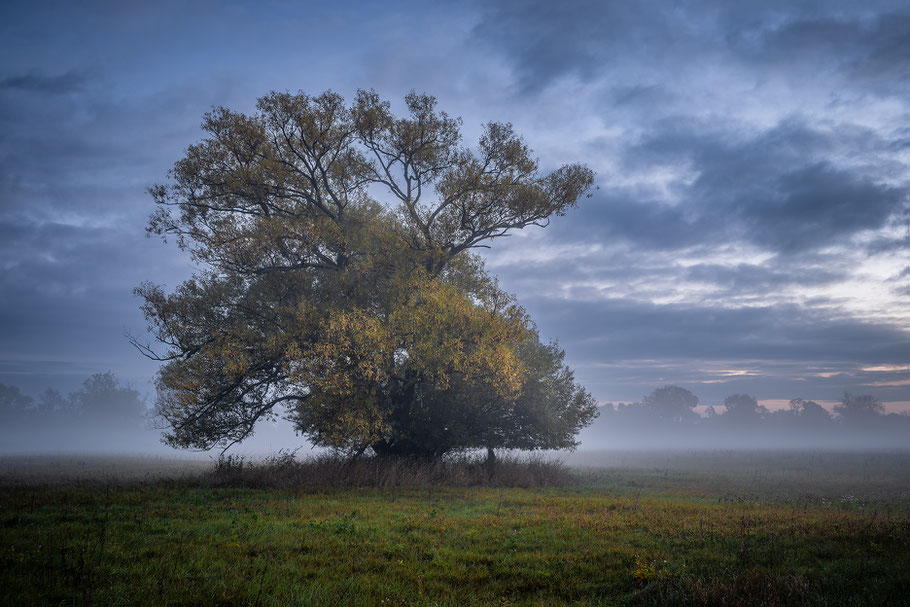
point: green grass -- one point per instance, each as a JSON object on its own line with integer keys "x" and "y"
{"x": 626, "y": 536}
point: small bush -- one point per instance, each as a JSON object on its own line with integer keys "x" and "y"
{"x": 284, "y": 470}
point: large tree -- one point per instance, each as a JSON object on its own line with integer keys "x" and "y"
{"x": 102, "y": 401}
{"x": 369, "y": 323}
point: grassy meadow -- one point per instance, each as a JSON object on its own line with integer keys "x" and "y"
{"x": 622, "y": 529}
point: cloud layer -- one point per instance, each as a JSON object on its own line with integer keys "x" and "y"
{"x": 751, "y": 230}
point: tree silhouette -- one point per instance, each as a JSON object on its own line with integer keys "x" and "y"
{"x": 861, "y": 409}
{"x": 743, "y": 408}
{"x": 368, "y": 325}
{"x": 102, "y": 400}
{"x": 809, "y": 411}
{"x": 672, "y": 404}
{"x": 14, "y": 406}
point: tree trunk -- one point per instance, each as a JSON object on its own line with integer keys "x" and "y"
{"x": 359, "y": 452}
{"x": 490, "y": 463}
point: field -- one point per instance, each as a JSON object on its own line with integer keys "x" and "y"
{"x": 633, "y": 529}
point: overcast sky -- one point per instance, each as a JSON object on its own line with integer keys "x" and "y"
{"x": 750, "y": 233}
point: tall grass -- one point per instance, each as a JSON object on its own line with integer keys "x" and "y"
{"x": 645, "y": 536}
{"x": 334, "y": 471}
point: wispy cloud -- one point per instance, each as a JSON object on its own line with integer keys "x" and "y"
{"x": 750, "y": 229}
{"x": 33, "y": 80}
{"x": 892, "y": 383}
{"x": 886, "y": 368}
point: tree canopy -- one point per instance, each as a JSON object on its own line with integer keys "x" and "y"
{"x": 744, "y": 407}
{"x": 859, "y": 408}
{"x": 672, "y": 404}
{"x": 368, "y": 322}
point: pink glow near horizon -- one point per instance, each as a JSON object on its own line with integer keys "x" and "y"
{"x": 776, "y": 404}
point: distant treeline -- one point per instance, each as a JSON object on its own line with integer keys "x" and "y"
{"x": 101, "y": 400}
{"x": 667, "y": 417}
{"x": 101, "y": 415}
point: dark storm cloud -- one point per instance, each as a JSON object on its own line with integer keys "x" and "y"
{"x": 659, "y": 344}
{"x": 548, "y": 40}
{"x": 587, "y": 39}
{"x": 73, "y": 173}
{"x": 888, "y": 244}
{"x": 868, "y": 50}
{"x": 788, "y": 212}
{"x": 62, "y": 273}
{"x": 33, "y": 80}
{"x": 67, "y": 302}
{"x": 622, "y": 274}
{"x": 625, "y": 214}
{"x": 795, "y": 208}
{"x": 790, "y": 186}
{"x": 716, "y": 127}
{"x": 755, "y": 278}
{"x": 622, "y": 328}
{"x": 97, "y": 101}
{"x": 777, "y": 188}
{"x": 772, "y": 190}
